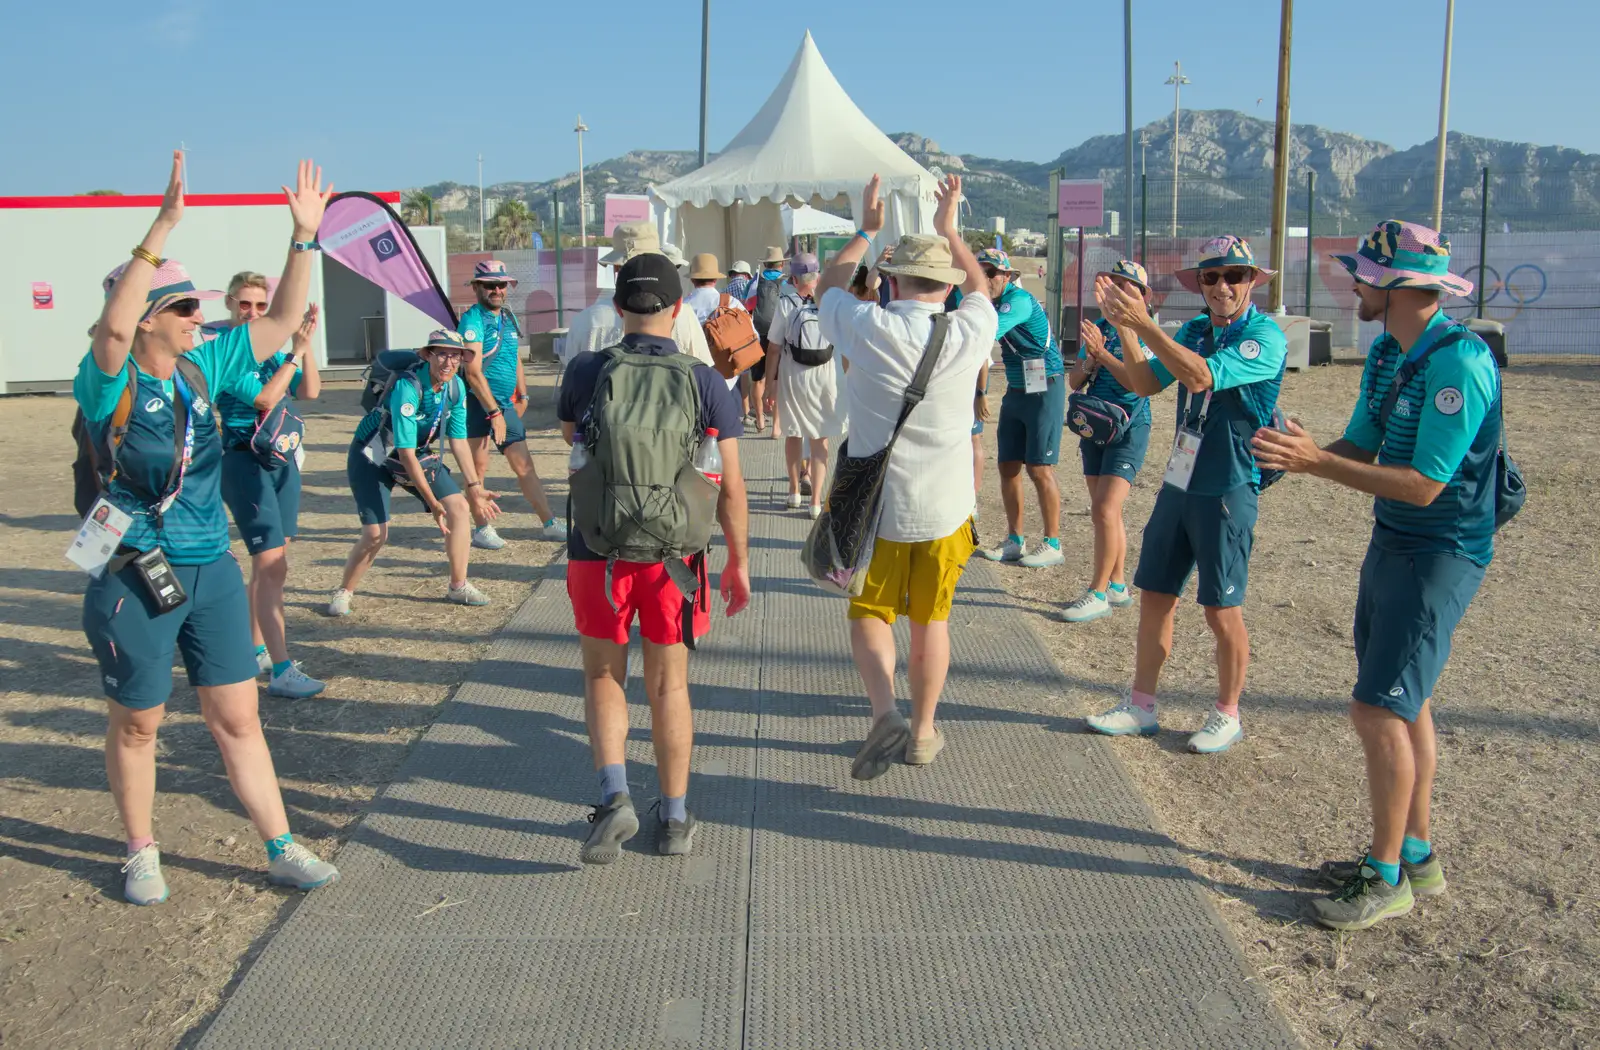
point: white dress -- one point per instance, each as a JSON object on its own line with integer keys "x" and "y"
{"x": 809, "y": 399}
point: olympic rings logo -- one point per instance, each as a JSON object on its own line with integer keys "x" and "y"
{"x": 1522, "y": 291}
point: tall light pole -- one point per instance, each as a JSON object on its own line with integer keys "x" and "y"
{"x": 583, "y": 217}
{"x": 1177, "y": 80}
{"x": 1127, "y": 122}
{"x": 1280, "y": 157}
{"x": 705, "y": 72}
{"x": 480, "y": 202}
{"x": 1444, "y": 117}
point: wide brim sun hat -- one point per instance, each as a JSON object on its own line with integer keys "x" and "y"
{"x": 924, "y": 255}
{"x": 169, "y": 284}
{"x": 630, "y": 239}
{"x": 1399, "y": 254}
{"x": 445, "y": 339}
{"x": 493, "y": 271}
{"x": 1129, "y": 270}
{"x": 704, "y": 268}
{"x": 775, "y": 257}
{"x": 740, "y": 267}
{"x": 1222, "y": 253}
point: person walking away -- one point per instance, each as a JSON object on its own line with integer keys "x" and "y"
{"x": 600, "y": 325}
{"x": 150, "y": 435}
{"x": 394, "y": 445}
{"x": 1109, "y": 469}
{"x": 764, "y": 291}
{"x": 1032, "y": 412}
{"x": 636, "y": 415}
{"x": 804, "y": 383}
{"x": 926, "y": 533}
{"x": 262, "y": 489}
{"x": 1230, "y": 361}
{"x": 741, "y": 282}
{"x": 1432, "y": 470}
{"x": 493, "y": 372}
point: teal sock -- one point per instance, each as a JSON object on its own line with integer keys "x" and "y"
{"x": 1390, "y": 872}
{"x": 1119, "y": 587}
{"x": 1098, "y": 594}
{"x": 549, "y": 523}
{"x": 275, "y": 847}
{"x": 1054, "y": 541}
{"x": 260, "y": 649}
{"x": 280, "y": 666}
{"x": 1414, "y": 850}
{"x": 1014, "y": 538}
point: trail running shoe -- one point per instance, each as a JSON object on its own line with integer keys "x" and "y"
{"x": 1087, "y": 606}
{"x": 295, "y": 684}
{"x": 1042, "y": 555}
{"x": 556, "y": 530}
{"x": 1119, "y": 599}
{"x": 144, "y": 883}
{"x": 1426, "y": 876}
{"x": 466, "y": 594}
{"x": 1364, "y": 901}
{"x": 612, "y": 825}
{"x": 339, "y": 604}
{"x": 675, "y": 838}
{"x": 1218, "y": 734}
{"x": 298, "y": 867}
{"x": 487, "y": 539}
{"x": 1007, "y": 551}
{"x": 1126, "y": 719}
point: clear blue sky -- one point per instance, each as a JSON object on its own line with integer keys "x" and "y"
{"x": 93, "y": 93}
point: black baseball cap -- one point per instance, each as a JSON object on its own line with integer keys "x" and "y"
{"x": 647, "y": 283}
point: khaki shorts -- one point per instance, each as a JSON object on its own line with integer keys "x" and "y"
{"x": 915, "y": 579}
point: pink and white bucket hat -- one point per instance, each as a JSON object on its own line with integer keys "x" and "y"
{"x": 1400, "y": 254}
{"x": 170, "y": 284}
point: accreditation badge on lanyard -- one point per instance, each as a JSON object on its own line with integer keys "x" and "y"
{"x": 1033, "y": 377}
{"x": 1186, "y": 449}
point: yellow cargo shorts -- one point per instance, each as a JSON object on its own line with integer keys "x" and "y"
{"x": 915, "y": 579}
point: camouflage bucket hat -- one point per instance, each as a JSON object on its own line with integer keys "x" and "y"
{"x": 1400, "y": 254}
{"x": 1219, "y": 253}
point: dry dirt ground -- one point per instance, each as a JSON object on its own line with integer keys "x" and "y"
{"x": 1508, "y": 959}
{"x": 78, "y": 968}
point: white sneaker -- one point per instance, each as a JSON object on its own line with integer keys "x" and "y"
{"x": 144, "y": 884}
{"x": 263, "y": 662}
{"x": 338, "y": 605}
{"x": 466, "y": 594}
{"x": 1007, "y": 551}
{"x": 793, "y": 502}
{"x": 1126, "y": 719}
{"x": 298, "y": 867}
{"x": 1220, "y": 733}
{"x": 1088, "y": 606}
{"x": 294, "y": 684}
{"x": 1119, "y": 599}
{"x": 555, "y": 530}
{"x": 487, "y": 539}
{"x": 816, "y": 511}
{"x": 1041, "y": 556}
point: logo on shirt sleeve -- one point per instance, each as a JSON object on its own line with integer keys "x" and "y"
{"x": 471, "y": 336}
{"x": 1448, "y": 401}
{"x": 1005, "y": 308}
{"x": 408, "y": 409}
{"x": 1249, "y": 349}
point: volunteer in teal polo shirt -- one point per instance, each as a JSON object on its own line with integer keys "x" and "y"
{"x": 493, "y": 373}
{"x": 1428, "y": 453}
{"x": 1230, "y": 363}
{"x": 177, "y": 537}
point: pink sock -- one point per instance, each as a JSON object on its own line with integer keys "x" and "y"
{"x": 1231, "y": 711}
{"x": 135, "y": 845}
{"x": 1143, "y": 701}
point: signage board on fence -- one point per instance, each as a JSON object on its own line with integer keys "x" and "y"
{"x": 1081, "y": 203}
{"x": 625, "y": 207}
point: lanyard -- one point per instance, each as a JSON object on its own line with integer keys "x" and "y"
{"x": 187, "y": 456}
{"x": 438, "y": 417}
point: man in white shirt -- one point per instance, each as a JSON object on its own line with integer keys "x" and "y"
{"x": 705, "y": 300}
{"x": 926, "y": 533}
{"x": 600, "y": 325}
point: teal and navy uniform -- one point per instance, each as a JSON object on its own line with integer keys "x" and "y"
{"x": 498, "y": 332}
{"x": 1424, "y": 564}
{"x": 417, "y": 422}
{"x": 265, "y": 504}
{"x": 1212, "y": 525}
{"x": 1123, "y": 457}
{"x": 1030, "y": 424}
{"x": 133, "y": 645}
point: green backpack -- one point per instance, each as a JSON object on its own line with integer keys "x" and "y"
{"x": 639, "y": 497}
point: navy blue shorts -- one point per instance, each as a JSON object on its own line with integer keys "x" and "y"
{"x": 1211, "y": 533}
{"x": 1122, "y": 458}
{"x": 1406, "y": 612}
{"x": 478, "y": 422}
{"x": 1030, "y": 424}
{"x": 134, "y": 645}
{"x": 265, "y": 504}
{"x": 371, "y": 485}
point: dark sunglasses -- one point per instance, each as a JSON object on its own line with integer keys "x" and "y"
{"x": 1211, "y": 277}
{"x": 183, "y": 308}
{"x": 990, "y": 272}
{"x": 492, "y": 287}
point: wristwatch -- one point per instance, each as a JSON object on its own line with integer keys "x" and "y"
{"x": 305, "y": 246}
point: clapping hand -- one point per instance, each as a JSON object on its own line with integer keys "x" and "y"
{"x": 1094, "y": 344}
{"x": 1123, "y": 308}
{"x": 308, "y": 327}
{"x": 1290, "y": 449}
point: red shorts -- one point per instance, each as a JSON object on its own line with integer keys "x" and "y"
{"x": 635, "y": 588}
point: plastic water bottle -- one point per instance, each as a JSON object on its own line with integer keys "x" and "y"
{"x": 579, "y": 457}
{"x": 708, "y": 458}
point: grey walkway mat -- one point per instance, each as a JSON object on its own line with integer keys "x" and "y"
{"x": 1013, "y": 894}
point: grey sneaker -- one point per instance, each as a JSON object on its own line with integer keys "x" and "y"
{"x": 675, "y": 838}
{"x": 487, "y": 539}
{"x": 613, "y": 824}
{"x": 1087, "y": 606}
{"x": 1042, "y": 555}
{"x": 298, "y": 867}
{"x": 1426, "y": 876}
{"x": 883, "y": 745}
{"x": 555, "y": 530}
{"x": 264, "y": 662}
{"x": 1119, "y": 599}
{"x": 144, "y": 883}
{"x": 338, "y": 605}
{"x": 466, "y": 594}
{"x": 1364, "y": 901}
{"x": 295, "y": 684}
{"x": 1007, "y": 551}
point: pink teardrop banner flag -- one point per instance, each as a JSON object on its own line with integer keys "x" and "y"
{"x": 363, "y": 233}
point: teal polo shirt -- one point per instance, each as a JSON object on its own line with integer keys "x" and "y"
{"x": 498, "y": 331}
{"x": 1446, "y": 426}
{"x": 194, "y": 530}
{"x": 1104, "y": 385}
{"x": 1246, "y": 360}
{"x": 1025, "y": 333}
{"x": 237, "y": 401}
{"x": 413, "y": 414}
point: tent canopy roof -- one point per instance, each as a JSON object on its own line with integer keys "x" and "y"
{"x": 808, "y": 142}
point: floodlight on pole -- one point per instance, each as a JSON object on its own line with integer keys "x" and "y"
{"x": 583, "y": 216}
{"x": 1127, "y": 119}
{"x": 480, "y": 202}
{"x": 1177, "y": 80}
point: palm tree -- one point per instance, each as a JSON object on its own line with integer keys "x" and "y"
{"x": 512, "y": 226}
{"x": 416, "y": 208}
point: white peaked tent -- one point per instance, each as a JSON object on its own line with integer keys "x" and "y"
{"x": 809, "y": 145}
